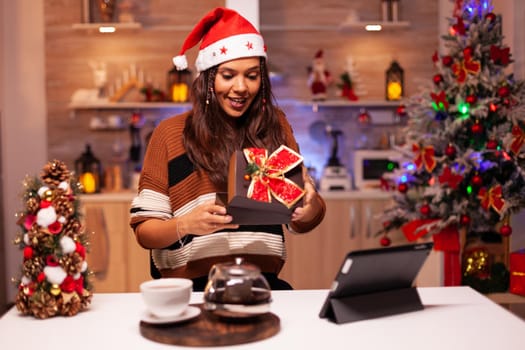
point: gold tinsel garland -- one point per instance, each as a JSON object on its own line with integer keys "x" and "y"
{"x": 55, "y": 276}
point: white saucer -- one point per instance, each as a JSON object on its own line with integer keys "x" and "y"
{"x": 189, "y": 313}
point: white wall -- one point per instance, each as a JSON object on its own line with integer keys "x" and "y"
{"x": 23, "y": 123}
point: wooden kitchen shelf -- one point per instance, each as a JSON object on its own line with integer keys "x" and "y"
{"x": 117, "y": 25}
{"x": 127, "y": 105}
{"x": 360, "y": 25}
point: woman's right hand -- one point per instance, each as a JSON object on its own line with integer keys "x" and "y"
{"x": 205, "y": 219}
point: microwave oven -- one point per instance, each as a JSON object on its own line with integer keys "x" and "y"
{"x": 370, "y": 165}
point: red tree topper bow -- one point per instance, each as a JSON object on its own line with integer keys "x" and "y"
{"x": 491, "y": 198}
{"x": 468, "y": 65}
{"x": 267, "y": 175}
{"x": 518, "y": 140}
{"x": 424, "y": 156}
{"x": 500, "y": 56}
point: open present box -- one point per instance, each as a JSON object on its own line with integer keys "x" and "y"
{"x": 262, "y": 189}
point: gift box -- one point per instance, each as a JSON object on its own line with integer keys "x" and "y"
{"x": 517, "y": 272}
{"x": 263, "y": 189}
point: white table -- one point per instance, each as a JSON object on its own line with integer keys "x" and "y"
{"x": 453, "y": 318}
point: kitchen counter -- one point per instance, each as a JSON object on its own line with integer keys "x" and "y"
{"x": 127, "y": 196}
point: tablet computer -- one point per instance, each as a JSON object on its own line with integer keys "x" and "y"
{"x": 383, "y": 272}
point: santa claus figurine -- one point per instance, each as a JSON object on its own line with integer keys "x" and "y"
{"x": 318, "y": 77}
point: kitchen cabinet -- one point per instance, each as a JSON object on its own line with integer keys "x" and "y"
{"x": 118, "y": 263}
{"x": 314, "y": 258}
{"x": 351, "y": 223}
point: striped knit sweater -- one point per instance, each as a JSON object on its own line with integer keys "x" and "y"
{"x": 170, "y": 187}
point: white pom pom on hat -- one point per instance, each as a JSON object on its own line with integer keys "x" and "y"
{"x": 225, "y": 36}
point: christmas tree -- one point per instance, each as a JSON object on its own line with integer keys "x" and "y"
{"x": 462, "y": 167}
{"x": 54, "y": 273}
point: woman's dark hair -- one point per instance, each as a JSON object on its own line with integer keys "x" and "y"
{"x": 210, "y": 137}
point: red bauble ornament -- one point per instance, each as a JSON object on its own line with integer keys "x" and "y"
{"x": 28, "y": 252}
{"x": 447, "y": 61}
{"x": 401, "y": 111}
{"x": 490, "y": 16}
{"x": 438, "y": 78}
{"x": 476, "y": 128}
{"x": 450, "y": 151}
{"x": 464, "y": 220}
{"x": 505, "y": 230}
{"x": 492, "y": 144}
{"x": 364, "y": 118}
{"x": 467, "y": 51}
{"x": 425, "y": 209}
{"x": 477, "y": 180}
{"x": 385, "y": 241}
{"x": 503, "y": 91}
{"x": 506, "y": 102}
{"x": 471, "y": 99}
{"x": 403, "y": 187}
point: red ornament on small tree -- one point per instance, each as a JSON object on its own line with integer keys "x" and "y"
{"x": 385, "y": 241}
{"x": 450, "y": 151}
{"x": 464, "y": 220}
{"x": 505, "y": 230}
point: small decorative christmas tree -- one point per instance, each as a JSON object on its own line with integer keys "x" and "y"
{"x": 463, "y": 163}
{"x": 54, "y": 276}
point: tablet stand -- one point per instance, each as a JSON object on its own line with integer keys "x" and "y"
{"x": 372, "y": 305}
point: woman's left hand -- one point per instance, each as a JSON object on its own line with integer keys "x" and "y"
{"x": 309, "y": 209}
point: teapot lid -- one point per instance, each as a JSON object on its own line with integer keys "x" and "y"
{"x": 240, "y": 268}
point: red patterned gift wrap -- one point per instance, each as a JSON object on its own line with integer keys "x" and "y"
{"x": 517, "y": 272}
{"x": 264, "y": 188}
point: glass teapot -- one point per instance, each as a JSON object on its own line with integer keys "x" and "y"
{"x": 237, "y": 289}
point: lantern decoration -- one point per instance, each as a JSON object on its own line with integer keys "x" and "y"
{"x": 394, "y": 82}
{"x": 178, "y": 84}
{"x": 89, "y": 171}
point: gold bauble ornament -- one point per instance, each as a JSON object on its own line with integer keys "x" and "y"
{"x": 47, "y": 195}
{"x": 55, "y": 290}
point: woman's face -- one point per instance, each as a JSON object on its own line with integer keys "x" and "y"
{"x": 236, "y": 85}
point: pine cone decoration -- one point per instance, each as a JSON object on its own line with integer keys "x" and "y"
{"x": 72, "y": 263}
{"x": 55, "y": 172}
{"x": 32, "y": 205}
{"x": 33, "y": 267}
{"x": 63, "y": 206}
{"x": 36, "y": 235}
{"x": 70, "y": 304}
{"x": 72, "y": 227}
{"x": 85, "y": 300}
{"x": 22, "y": 303}
{"x": 43, "y": 305}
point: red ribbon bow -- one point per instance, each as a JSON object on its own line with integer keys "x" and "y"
{"x": 267, "y": 176}
{"x": 500, "y": 56}
{"x": 468, "y": 65}
{"x": 424, "y": 156}
{"x": 449, "y": 178}
{"x": 518, "y": 140}
{"x": 491, "y": 198}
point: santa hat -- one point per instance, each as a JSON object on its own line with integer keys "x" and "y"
{"x": 319, "y": 54}
{"x": 225, "y": 36}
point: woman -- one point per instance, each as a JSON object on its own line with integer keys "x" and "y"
{"x": 186, "y": 163}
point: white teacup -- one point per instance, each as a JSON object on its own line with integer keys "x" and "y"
{"x": 166, "y": 297}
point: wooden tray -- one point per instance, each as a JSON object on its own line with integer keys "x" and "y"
{"x": 210, "y": 330}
